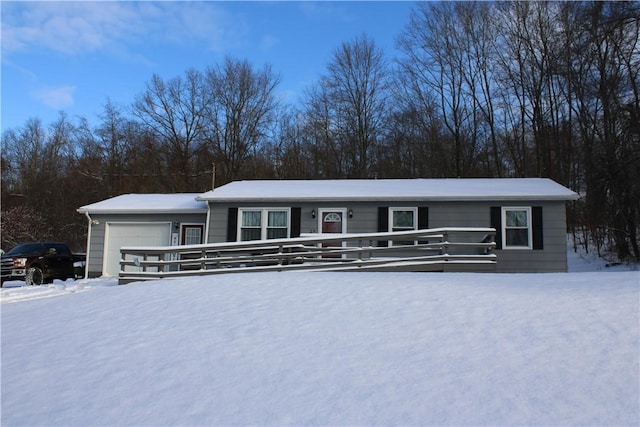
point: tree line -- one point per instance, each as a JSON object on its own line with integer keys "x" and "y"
{"x": 473, "y": 89}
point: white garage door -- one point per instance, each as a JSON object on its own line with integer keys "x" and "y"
{"x": 131, "y": 234}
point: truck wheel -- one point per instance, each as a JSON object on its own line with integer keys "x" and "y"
{"x": 34, "y": 276}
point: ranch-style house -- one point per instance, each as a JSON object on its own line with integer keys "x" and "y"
{"x": 528, "y": 214}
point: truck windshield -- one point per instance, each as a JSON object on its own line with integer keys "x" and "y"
{"x": 26, "y": 248}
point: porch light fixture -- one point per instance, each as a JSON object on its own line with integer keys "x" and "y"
{"x": 350, "y": 213}
{"x": 313, "y": 213}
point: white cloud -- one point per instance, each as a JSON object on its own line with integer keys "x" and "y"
{"x": 204, "y": 23}
{"x": 56, "y": 97}
{"x": 66, "y": 27}
{"x": 23, "y": 71}
{"x": 118, "y": 27}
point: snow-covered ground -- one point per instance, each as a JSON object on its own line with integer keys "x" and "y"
{"x": 326, "y": 349}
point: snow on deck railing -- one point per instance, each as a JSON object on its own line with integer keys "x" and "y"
{"x": 438, "y": 249}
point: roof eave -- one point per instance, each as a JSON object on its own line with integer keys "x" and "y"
{"x": 141, "y": 211}
{"x": 389, "y": 199}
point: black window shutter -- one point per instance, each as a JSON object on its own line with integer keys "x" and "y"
{"x": 496, "y": 222}
{"x": 232, "y": 225}
{"x": 536, "y": 213}
{"x": 296, "y": 214}
{"x": 423, "y": 221}
{"x": 423, "y": 218}
{"x": 383, "y": 223}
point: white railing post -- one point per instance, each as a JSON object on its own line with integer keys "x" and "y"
{"x": 445, "y": 243}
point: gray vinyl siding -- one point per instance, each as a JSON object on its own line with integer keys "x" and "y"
{"x": 552, "y": 258}
{"x": 96, "y": 245}
{"x": 218, "y": 218}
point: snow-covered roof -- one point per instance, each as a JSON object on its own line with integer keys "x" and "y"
{"x": 391, "y": 190}
{"x": 339, "y": 189}
{"x": 148, "y": 203}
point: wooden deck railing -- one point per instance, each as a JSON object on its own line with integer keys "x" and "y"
{"x": 439, "y": 249}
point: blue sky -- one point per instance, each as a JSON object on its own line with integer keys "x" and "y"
{"x": 73, "y": 56}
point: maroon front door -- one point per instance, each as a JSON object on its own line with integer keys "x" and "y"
{"x": 331, "y": 223}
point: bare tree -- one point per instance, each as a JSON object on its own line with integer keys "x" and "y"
{"x": 175, "y": 111}
{"x": 39, "y": 160}
{"x": 413, "y": 145}
{"x": 288, "y": 151}
{"x": 241, "y": 107}
{"x": 22, "y": 224}
{"x": 480, "y": 32}
{"x": 606, "y": 77}
{"x": 357, "y": 82}
{"x": 323, "y": 137}
{"x": 534, "y": 62}
{"x": 112, "y": 148}
{"x": 435, "y": 63}
{"x": 25, "y": 150}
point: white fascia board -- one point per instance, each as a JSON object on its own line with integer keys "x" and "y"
{"x": 147, "y": 204}
{"x": 141, "y": 211}
{"x": 312, "y": 199}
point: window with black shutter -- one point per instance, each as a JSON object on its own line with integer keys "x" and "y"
{"x": 518, "y": 227}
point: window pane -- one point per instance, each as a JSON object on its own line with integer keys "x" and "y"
{"x": 251, "y": 218}
{"x": 192, "y": 236}
{"x": 277, "y": 219}
{"x": 518, "y": 237}
{"x": 517, "y": 218}
{"x": 333, "y": 217}
{"x": 403, "y": 219}
{"x": 276, "y": 233}
{"x": 250, "y": 234}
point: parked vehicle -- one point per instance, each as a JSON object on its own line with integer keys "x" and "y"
{"x": 38, "y": 263}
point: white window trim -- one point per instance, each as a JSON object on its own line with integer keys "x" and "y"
{"x": 322, "y": 212}
{"x": 527, "y": 209}
{"x": 263, "y": 221}
{"x": 192, "y": 224}
{"x": 390, "y": 220}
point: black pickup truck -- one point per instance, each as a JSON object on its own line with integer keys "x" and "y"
{"x": 41, "y": 262}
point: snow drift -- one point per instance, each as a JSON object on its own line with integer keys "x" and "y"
{"x": 325, "y": 349}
